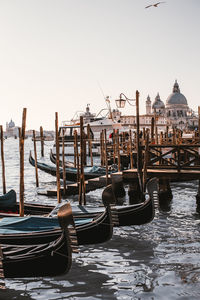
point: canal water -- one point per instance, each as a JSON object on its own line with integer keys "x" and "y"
{"x": 159, "y": 260}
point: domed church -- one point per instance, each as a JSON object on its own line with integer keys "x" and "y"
{"x": 176, "y": 111}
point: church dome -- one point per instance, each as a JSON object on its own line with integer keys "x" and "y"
{"x": 176, "y": 97}
{"x": 158, "y": 103}
{"x": 11, "y": 124}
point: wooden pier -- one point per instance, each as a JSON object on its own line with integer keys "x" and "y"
{"x": 73, "y": 188}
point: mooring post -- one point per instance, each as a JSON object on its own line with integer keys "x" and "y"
{"x": 165, "y": 192}
{"x": 167, "y": 134}
{"x": 118, "y": 151}
{"x": 57, "y": 159}
{"x": 145, "y": 161}
{"x": 144, "y": 135}
{"x": 2, "y": 161}
{"x": 139, "y": 154}
{"x": 75, "y": 148}
{"x": 114, "y": 146}
{"x": 198, "y": 197}
{"x": 152, "y": 130}
{"x": 63, "y": 161}
{"x": 199, "y": 122}
{"x": 22, "y": 137}
{"x": 89, "y": 144}
{"x": 84, "y": 149}
{"x": 131, "y": 149}
{"x": 35, "y": 155}
{"x": 101, "y": 148}
{"x": 82, "y": 179}
{"x": 42, "y": 141}
{"x": 106, "y": 158}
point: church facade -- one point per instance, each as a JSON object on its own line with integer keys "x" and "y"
{"x": 176, "y": 110}
{"x": 175, "y": 113}
{"x": 11, "y": 129}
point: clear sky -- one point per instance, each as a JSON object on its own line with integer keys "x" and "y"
{"x": 59, "y": 55}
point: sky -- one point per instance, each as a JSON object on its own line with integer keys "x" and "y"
{"x": 60, "y": 55}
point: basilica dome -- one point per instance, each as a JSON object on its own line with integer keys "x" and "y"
{"x": 176, "y": 97}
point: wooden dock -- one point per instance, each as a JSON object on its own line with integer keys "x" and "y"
{"x": 170, "y": 174}
{"x": 73, "y": 188}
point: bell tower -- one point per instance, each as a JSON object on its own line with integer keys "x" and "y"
{"x": 148, "y": 106}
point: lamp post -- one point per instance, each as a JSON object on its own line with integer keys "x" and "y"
{"x": 121, "y": 104}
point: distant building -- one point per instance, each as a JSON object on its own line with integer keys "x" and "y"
{"x": 175, "y": 113}
{"x": 11, "y": 129}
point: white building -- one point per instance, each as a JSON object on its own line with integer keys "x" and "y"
{"x": 175, "y": 113}
{"x": 11, "y": 129}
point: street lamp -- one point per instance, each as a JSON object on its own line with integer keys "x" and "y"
{"x": 121, "y": 104}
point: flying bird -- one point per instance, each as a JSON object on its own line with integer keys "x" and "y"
{"x": 155, "y": 5}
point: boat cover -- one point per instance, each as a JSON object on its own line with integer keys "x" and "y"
{"x": 13, "y": 225}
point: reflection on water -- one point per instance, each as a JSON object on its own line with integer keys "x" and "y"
{"x": 159, "y": 260}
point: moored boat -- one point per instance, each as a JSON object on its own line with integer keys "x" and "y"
{"x": 24, "y": 255}
{"x": 71, "y": 173}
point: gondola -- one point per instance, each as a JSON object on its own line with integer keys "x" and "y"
{"x": 30, "y": 254}
{"x": 93, "y": 229}
{"x": 135, "y": 214}
{"x": 10, "y": 207}
{"x": 68, "y": 163}
{"x": 71, "y": 173}
{"x": 125, "y": 215}
{"x": 8, "y": 200}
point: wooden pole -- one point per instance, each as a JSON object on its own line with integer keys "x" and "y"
{"x": 174, "y": 137}
{"x": 57, "y": 159}
{"x": 89, "y": 144}
{"x": 21, "y": 188}
{"x": 139, "y": 154}
{"x": 144, "y": 135}
{"x": 82, "y": 179}
{"x": 101, "y": 149}
{"x": 35, "y": 154}
{"x": 131, "y": 147}
{"x": 75, "y": 148}
{"x": 106, "y": 158}
{"x": 156, "y": 134}
{"x": 63, "y": 162}
{"x": 167, "y": 134}
{"x": 123, "y": 142}
{"x": 145, "y": 160}
{"x": 2, "y": 161}
{"x": 76, "y": 154}
{"x": 199, "y": 121}
{"x": 114, "y": 146}
{"x": 42, "y": 141}
{"x": 118, "y": 151}
{"x": 152, "y": 130}
{"x": 102, "y": 145}
{"x": 84, "y": 149}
